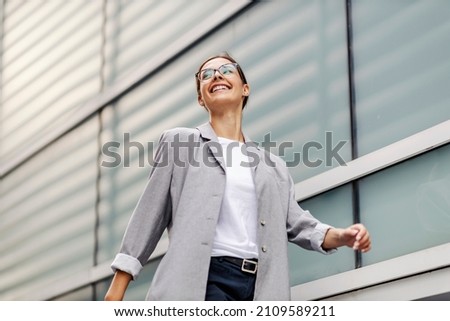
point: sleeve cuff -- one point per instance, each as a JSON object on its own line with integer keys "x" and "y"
{"x": 127, "y": 263}
{"x": 318, "y": 237}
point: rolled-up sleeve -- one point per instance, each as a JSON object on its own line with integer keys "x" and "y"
{"x": 150, "y": 217}
{"x": 127, "y": 263}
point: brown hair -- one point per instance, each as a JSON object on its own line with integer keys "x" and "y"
{"x": 227, "y": 56}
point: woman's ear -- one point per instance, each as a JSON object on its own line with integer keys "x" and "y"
{"x": 246, "y": 90}
{"x": 200, "y": 101}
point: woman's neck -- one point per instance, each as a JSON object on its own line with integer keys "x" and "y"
{"x": 228, "y": 125}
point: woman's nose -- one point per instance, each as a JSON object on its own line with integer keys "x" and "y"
{"x": 217, "y": 74}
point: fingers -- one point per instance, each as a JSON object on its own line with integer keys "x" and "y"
{"x": 362, "y": 241}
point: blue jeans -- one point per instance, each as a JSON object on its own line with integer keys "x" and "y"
{"x": 226, "y": 282}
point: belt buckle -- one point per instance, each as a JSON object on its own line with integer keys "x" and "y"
{"x": 247, "y": 269}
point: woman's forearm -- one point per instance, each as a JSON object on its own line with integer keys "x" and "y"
{"x": 118, "y": 286}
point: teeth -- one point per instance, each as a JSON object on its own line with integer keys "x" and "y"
{"x": 219, "y": 87}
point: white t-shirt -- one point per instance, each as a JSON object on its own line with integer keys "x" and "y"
{"x": 237, "y": 224}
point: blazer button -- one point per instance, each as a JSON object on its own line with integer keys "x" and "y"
{"x": 264, "y": 248}
{"x": 263, "y": 222}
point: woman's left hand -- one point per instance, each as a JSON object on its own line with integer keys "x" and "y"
{"x": 357, "y": 237}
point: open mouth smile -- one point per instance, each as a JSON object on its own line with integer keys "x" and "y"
{"x": 219, "y": 87}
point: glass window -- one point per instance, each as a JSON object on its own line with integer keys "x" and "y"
{"x": 402, "y": 70}
{"x": 407, "y": 207}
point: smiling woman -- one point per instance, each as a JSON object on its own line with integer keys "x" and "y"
{"x": 228, "y": 224}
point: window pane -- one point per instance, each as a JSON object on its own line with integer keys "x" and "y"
{"x": 402, "y": 68}
{"x": 407, "y": 207}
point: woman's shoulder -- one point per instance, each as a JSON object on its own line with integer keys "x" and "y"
{"x": 182, "y": 134}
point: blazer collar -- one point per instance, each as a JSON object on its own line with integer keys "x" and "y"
{"x": 207, "y": 132}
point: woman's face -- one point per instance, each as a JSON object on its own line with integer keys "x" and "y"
{"x": 222, "y": 90}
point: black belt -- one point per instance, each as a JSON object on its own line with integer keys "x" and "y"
{"x": 246, "y": 265}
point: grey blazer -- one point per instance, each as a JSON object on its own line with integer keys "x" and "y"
{"x": 184, "y": 194}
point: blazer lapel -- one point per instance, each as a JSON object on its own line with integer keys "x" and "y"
{"x": 214, "y": 146}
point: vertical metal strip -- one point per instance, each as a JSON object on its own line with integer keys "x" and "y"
{"x": 353, "y": 122}
{"x": 2, "y": 28}
{"x": 351, "y": 80}
{"x": 99, "y": 143}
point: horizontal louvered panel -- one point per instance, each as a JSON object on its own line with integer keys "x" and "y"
{"x": 48, "y": 214}
{"x": 137, "y": 30}
{"x": 51, "y": 64}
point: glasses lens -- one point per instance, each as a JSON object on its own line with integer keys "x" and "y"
{"x": 206, "y": 74}
{"x": 227, "y": 69}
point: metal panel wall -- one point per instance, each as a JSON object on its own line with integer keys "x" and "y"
{"x": 51, "y": 61}
{"x": 48, "y": 215}
{"x": 50, "y": 66}
{"x": 138, "y": 30}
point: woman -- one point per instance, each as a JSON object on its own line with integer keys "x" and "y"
{"x": 229, "y": 208}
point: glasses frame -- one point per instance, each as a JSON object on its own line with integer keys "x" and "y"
{"x": 197, "y": 75}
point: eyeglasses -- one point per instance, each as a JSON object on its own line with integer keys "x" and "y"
{"x": 226, "y": 70}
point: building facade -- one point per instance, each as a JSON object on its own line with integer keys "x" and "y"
{"x": 357, "y": 90}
